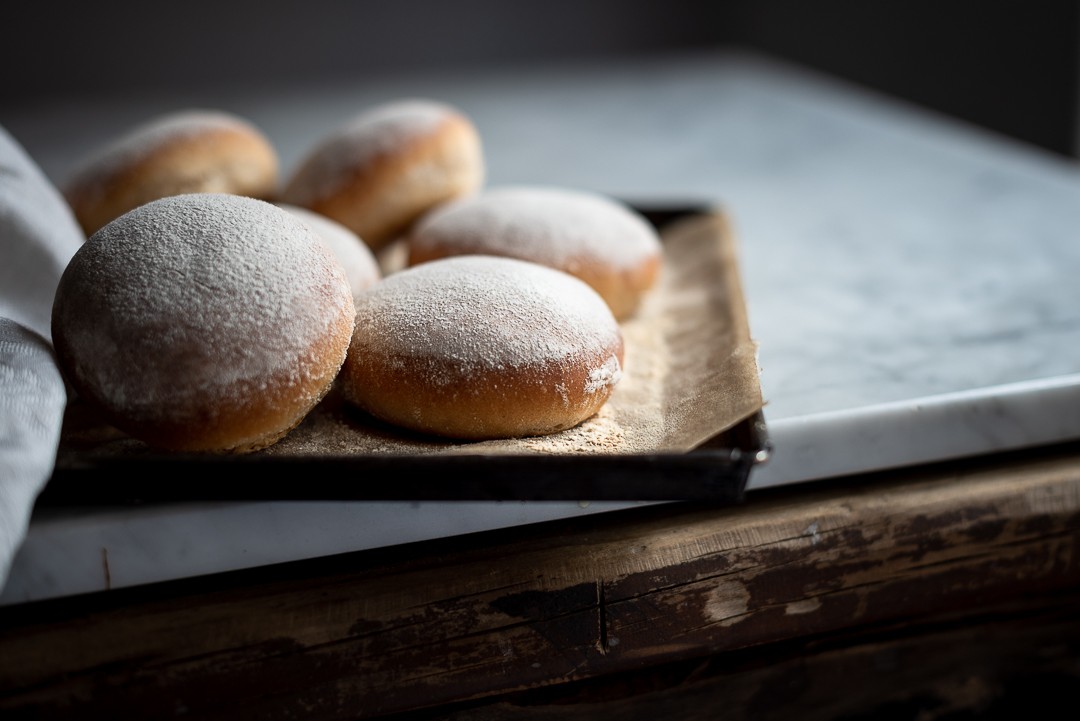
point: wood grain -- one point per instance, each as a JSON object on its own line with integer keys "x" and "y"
{"x": 1022, "y": 661}
{"x": 374, "y": 634}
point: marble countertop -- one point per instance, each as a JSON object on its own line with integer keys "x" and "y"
{"x": 910, "y": 279}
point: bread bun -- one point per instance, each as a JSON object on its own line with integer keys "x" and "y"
{"x": 481, "y": 347}
{"x": 203, "y": 322}
{"x": 384, "y": 169}
{"x": 194, "y": 151}
{"x": 355, "y": 257}
{"x": 601, "y": 241}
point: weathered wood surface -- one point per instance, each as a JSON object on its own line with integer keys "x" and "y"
{"x": 1020, "y": 662}
{"x": 380, "y": 633}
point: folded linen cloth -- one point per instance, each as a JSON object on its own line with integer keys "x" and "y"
{"x": 38, "y": 236}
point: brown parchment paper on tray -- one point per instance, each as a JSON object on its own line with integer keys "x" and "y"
{"x": 690, "y": 373}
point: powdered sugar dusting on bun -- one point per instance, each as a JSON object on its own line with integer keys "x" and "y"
{"x": 144, "y": 139}
{"x": 384, "y": 169}
{"x": 355, "y": 257}
{"x": 485, "y": 312}
{"x": 554, "y": 226}
{"x": 193, "y": 151}
{"x": 483, "y": 347}
{"x": 593, "y": 237}
{"x": 203, "y": 321}
{"x": 379, "y": 132}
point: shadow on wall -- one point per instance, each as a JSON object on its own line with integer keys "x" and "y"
{"x": 1007, "y": 66}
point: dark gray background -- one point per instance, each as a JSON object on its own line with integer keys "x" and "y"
{"x": 1010, "y": 66}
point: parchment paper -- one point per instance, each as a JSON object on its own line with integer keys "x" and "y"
{"x": 690, "y": 373}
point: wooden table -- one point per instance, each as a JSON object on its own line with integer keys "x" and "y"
{"x": 948, "y": 591}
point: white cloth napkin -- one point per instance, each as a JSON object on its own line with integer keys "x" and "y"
{"x": 38, "y": 236}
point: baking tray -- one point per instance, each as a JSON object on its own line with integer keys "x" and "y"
{"x": 716, "y": 470}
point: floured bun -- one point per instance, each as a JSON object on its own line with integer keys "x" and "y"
{"x": 355, "y": 257}
{"x": 481, "y": 347}
{"x": 203, "y": 322}
{"x": 193, "y": 151}
{"x": 388, "y": 166}
{"x": 603, "y": 242}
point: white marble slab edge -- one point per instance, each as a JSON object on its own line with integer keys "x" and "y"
{"x": 935, "y": 428}
{"x": 75, "y": 552}
{"x": 88, "y": 550}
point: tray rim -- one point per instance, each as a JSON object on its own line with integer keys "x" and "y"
{"x": 718, "y": 470}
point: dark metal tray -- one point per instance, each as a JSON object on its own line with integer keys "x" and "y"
{"x": 716, "y": 471}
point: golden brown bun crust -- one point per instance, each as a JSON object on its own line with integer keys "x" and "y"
{"x": 380, "y": 173}
{"x": 593, "y": 237}
{"x": 188, "y": 152}
{"x": 503, "y": 404}
{"x": 483, "y": 347}
{"x": 204, "y": 322}
{"x": 622, "y": 288}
